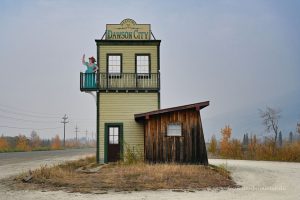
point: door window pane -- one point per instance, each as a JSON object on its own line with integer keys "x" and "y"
{"x": 113, "y": 135}
{"x": 116, "y": 140}
{"x": 111, "y": 139}
{"x": 116, "y": 131}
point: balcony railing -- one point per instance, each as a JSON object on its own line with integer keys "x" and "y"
{"x": 119, "y": 81}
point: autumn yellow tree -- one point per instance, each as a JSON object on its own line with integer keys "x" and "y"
{"x": 22, "y": 143}
{"x": 252, "y": 146}
{"x": 213, "y": 145}
{"x": 235, "y": 149}
{"x": 224, "y": 144}
{"x": 4, "y": 146}
{"x": 56, "y": 144}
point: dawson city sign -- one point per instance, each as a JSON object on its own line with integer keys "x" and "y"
{"x": 128, "y": 29}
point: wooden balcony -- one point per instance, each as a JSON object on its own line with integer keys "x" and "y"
{"x": 119, "y": 82}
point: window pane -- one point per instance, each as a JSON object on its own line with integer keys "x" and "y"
{"x": 116, "y": 131}
{"x": 111, "y": 130}
{"x": 174, "y": 130}
{"x": 114, "y": 64}
{"x": 142, "y": 64}
{"x": 111, "y": 139}
{"x": 116, "y": 140}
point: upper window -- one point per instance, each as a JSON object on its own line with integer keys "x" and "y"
{"x": 174, "y": 129}
{"x": 114, "y": 64}
{"x": 142, "y": 64}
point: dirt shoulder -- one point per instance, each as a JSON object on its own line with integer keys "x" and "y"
{"x": 259, "y": 180}
{"x": 86, "y": 176}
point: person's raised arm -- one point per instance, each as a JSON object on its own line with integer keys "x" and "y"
{"x": 83, "y": 59}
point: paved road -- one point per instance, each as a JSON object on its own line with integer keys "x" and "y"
{"x": 16, "y": 162}
{"x": 259, "y": 180}
{"x": 19, "y": 157}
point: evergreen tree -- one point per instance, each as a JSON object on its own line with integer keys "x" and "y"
{"x": 280, "y": 139}
{"x": 244, "y": 140}
{"x": 291, "y": 137}
{"x": 247, "y": 139}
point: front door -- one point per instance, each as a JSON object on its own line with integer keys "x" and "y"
{"x": 113, "y": 143}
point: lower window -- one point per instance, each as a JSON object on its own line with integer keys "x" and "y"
{"x": 174, "y": 129}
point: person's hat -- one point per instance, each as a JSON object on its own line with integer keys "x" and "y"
{"x": 93, "y": 59}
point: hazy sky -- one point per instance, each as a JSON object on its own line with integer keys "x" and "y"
{"x": 240, "y": 55}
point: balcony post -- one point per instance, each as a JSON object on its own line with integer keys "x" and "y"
{"x": 107, "y": 76}
{"x": 158, "y": 80}
{"x": 136, "y": 81}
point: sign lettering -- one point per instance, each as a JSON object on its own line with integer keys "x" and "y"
{"x": 128, "y": 29}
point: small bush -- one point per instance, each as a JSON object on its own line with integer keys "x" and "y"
{"x": 56, "y": 143}
{"x": 132, "y": 154}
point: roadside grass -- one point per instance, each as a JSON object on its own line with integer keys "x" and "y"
{"x": 267, "y": 151}
{"x": 124, "y": 177}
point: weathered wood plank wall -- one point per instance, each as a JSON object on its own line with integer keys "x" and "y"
{"x": 189, "y": 148}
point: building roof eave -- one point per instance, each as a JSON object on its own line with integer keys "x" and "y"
{"x": 146, "y": 115}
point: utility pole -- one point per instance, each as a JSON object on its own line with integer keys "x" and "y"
{"x": 65, "y": 122}
{"x": 76, "y": 131}
{"x": 86, "y": 132}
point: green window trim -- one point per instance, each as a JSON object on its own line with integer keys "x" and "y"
{"x": 149, "y": 67}
{"x": 107, "y": 61}
{"x": 106, "y": 126}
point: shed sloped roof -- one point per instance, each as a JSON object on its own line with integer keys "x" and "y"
{"x": 197, "y": 106}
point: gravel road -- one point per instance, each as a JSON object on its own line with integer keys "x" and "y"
{"x": 259, "y": 180}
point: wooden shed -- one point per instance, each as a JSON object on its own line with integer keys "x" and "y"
{"x": 174, "y": 134}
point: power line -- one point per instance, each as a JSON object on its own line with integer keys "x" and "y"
{"x": 24, "y": 114}
{"x": 8, "y": 109}
{"x": 13, "y": 127}
{"x": 26, "y": 120}
{"x": 83, "y": 119}
{"x": 26, "y": 111}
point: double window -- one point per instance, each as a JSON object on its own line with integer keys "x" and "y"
{"x": 142, "y": 64}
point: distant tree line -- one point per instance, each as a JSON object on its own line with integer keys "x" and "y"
{"x": 250, "y": 147}
{"x": 35, "y": 143}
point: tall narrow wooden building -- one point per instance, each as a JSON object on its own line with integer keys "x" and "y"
{"x": 127, "y": 83}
